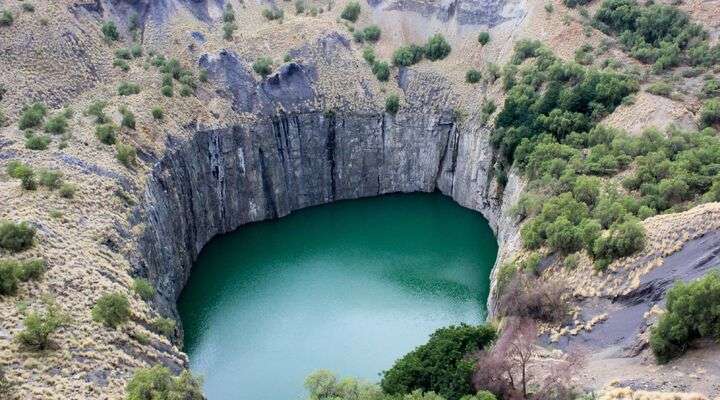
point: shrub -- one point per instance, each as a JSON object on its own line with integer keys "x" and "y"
{"x": 6, "y": 18}
{"x": 67, "y": 190}
{"x": 484, "y": 38}
{"x": 693, "y": 311}
{"x": 97, "y": 109}
{"x": 111, "y": 310}
{"x": 158, "y": 113}
{"x": 358, "y": 36}
{"x": 443, "y": 365}
{"x": 263, "y": 66}
{"x": 136, "y": 50}
{"x": 123, "y": 53}
{"x": 660, "y": 89}
{"x": 437, "y": 48}
{"x": 273, "y": 13}
{"x": 185, "y": 91}
{"x": 158, "y": 383}
{"x": 39, "y": 327}
{"x": 228, "y": 13}
{"x": 106, "y": 133}
{"x": 408, "y": 55}
{"x": 50, "y": 179}
{"x": 300, "y": 6}
{"x": 128, "y": 88}
{"x": 392, "y": 104}
{"x": 8, "y": 278}
{"x": 574, "y": 3}
{"x": 229, "y": 29}
{"x": 128, "y": 118}
{"x": 369, "y": 55}
{"x": 381, "y": 69}
{"x": 710, "y": 112}
{"x": 472, "y": 76}
{"x": 24, "y": 172}
{"x": 32, "y": 116}
{"x": 372, "y": 33}
{"x": 164, "y": 326}
{"x": 37, "y": 142}
{"x": 351, "y": 11}
{"x": 126, "y": 154}
{"x": 622, "y": 239}
{"x": 110, "y": 31}
{"x": 167, "y": 91}
{"x": 143, "y": 288}
{"x": 324, "y": 385}
{"x": 57, "y": 124}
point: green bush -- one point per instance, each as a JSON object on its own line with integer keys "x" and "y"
{"x": 126, "y": 154}
{"x": 481, "y": 395}
{"x": 710, "y": 112}
{"x": 392, "y": 104}
{"x": 443, "y": 365}
{"x": 57, "y": 124}
{"x": 358, "y": 36}
{"x": 16, "y": 237}
{"x": 32, "y": 116}
{"x": 16, "y": 169}
{"x": 660, "y": 89}
{"x": 369, "y": 55}
{"x": 228, "y": 13}
{"x": 164, "y": 326}
{"x": 300, "y": 6}
{"x": 39, "y": 327}
{"x": 372, "y": 33}
{"x": 50, "y": 179}
{"x": 693, "y": 311}
{"x": 229, "y": 29}
{"x": 167, "y": 91}
{"x": 97, "y": 109}
{"x": 136, "y": 50}
{"x": 6, "y": 18}
{"x": 110, "y": 31}
{"x": 381, "y": 69}
{"x": 263, "y": 66}
{"x": 574, "y": 3}
{"x": 655, "y": 33}
{"x": 185, "y": 91}
{"x": 128, "y": 89}
{"x": 621, "y": 240}
{"x": 484, "y": 38}
{"x": 128, "y": 118}
{"x": 8, "y": 278}
{"x": 143, "y": 288}
{"x": 106, "y": 133}
{"x": 472, "y": 76}
{"x": 437, "y": 48}
{"x": 111, "y": 310}
{"x": 67, "y": 190}
{"x": 408, "y": 55}
{"x": 273, "y": 13}
{"x": 158, "y": 113}
{"x": 123, "y": 53}
{"x": 351, "y": 11}
{"x": 158, "y": 383}
{"x": 37, "y": 142}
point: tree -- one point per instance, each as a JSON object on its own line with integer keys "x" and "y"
{"x": 381, "y": 69}
{"x": 371, "y": 33}
{"x": 484, "y": 38}
{"x": 406, "y": 56}
{"x": 443, "y": 365}
{"x": 473, "y": 76}
{"x": 110, "y": 31}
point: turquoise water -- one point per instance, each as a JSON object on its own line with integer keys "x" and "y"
{"x": 349, "y": 286}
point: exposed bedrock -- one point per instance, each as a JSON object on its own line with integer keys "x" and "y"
{"x": 223, "y": 178}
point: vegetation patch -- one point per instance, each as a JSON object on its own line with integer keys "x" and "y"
{"x": 693, "y": 311}
{"x": 158, "y": 383}
{"x": 111, "y": 310}
{"x": 16, "y": 237}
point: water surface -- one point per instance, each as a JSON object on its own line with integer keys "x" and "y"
{"x": 349, "y": 286}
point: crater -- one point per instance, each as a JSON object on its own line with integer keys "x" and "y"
{"x": 349, "y": 286}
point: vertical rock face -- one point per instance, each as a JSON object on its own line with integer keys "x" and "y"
{"x": 221, "y": 179}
